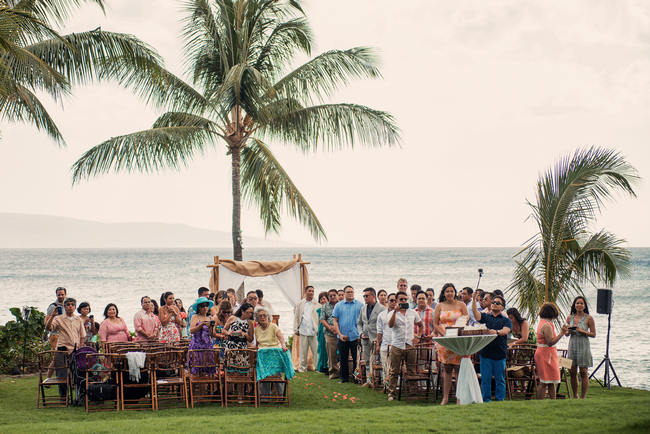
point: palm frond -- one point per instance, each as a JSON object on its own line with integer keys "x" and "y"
{"x": 266, "y": 183}
{"x": 281, "y": 45}
{"x": 602, "y": 259}
{"x": 181, "y": 119}
{"x": 52, "y": 11}
{"x": 23, "y": 67}
{"x": 21, "y": 105}
{"x": 144, "y": 151}
{"x": 20, "y": 27}
{"x": 332, "y": 126}
{"x": 317, "y": 79}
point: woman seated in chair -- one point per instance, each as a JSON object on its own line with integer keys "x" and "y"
{"x": 520, "y": 328}
{"x": 239, "y": 328}
{"x": 268, "y": 335}
{"x": 272, "y": 355}
{"x": 202, "y": 333}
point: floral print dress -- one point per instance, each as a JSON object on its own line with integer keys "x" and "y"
{"x": 169, "y": 333}
{"x": 448, "y": 319}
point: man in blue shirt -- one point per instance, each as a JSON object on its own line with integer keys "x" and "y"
{"x": 493, "y": 356}
{"x": 345, "y": 316}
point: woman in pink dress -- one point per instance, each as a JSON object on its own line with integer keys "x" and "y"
{"x": 547, "y": 363}
{"x": 447, "y": 311}
{"x": 113, "y": 328}
{"x": 170, "y": 319}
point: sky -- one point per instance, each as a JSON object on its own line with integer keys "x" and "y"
{"x": 487, "y": 94}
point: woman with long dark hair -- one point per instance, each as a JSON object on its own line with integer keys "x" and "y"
{"x": 170, "y": 319}
{"x": 581, "y": 327}
{"x": 239, "y": 328}
{"x": 113, "y": 328}
{"x": 520, "y": 328}
{"x": 447, "y": 311}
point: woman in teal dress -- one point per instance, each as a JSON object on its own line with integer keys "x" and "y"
{"x": 322, "y": 346}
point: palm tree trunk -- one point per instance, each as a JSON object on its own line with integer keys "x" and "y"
{"x": 236, "y": 203}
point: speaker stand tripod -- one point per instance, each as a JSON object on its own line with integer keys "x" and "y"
{"x": 607, "y": 379}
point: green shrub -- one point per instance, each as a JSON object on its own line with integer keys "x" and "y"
{"x": 12, "y": 337}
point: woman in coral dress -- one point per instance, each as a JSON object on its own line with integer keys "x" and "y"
{"x": 447, "y": 311}
{"x": 547, "y": 363}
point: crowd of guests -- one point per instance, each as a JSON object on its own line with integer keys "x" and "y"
{"x": 334, "y": 326}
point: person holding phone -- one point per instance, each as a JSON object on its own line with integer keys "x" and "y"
{"x": 202, "y": 331}
{"x": 581, "y": 327}
{"x": 240, "y": 328}
{"x": 402, "y": 323}
{"x": 55, "y": 308}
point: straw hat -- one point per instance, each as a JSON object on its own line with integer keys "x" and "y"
{"x": 202, "y": 300}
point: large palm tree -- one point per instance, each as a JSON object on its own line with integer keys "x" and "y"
{"x": 34, "y": 58}
{"x": 564, "y": 254}
{"x": 238, "y": 55}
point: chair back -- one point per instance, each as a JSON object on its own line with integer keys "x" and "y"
{"x": 521, "y": 356}
{"x": 240, "y": 364}
{"x": 203, "y": 361}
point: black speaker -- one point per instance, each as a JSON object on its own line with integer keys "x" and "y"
{"x": 604, "y": 301}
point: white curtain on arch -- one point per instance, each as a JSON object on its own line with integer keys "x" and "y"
{"x": 288, "y": 281}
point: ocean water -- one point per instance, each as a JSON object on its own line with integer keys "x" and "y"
{"x": 28, "y": 277}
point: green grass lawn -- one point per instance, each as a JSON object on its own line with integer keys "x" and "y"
{"x": 318, "y": 407}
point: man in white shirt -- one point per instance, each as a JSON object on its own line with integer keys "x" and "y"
{"x": 402, "y": 322}
{"x": 262, "y": 302}
{"x": 384, "y": 336}
{"x": 466, "y": 296}
{"x": 305, "y": 325}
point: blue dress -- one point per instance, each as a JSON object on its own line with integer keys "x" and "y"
{"x": 322, "y": 365}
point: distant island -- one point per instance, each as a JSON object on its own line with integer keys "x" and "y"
{"x": 43, "y": 231}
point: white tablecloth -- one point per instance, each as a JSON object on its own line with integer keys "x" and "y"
{"x": 468, "y": 390}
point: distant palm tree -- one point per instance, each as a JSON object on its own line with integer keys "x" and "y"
{"x": 239, "y": 53}
{"x": 34, "y": 57}
{"x": 564, "y": 254}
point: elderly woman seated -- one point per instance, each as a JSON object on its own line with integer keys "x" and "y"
{"x": 272, "y": 355}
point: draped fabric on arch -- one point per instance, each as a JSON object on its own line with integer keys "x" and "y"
{"x": 286, "y": 274}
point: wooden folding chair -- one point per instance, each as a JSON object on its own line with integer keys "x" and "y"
{"x": 58, "y": 361}
{"x": 416, "y": 373}
{"x": 137, "y": 395}
{"x": 376, "y": 369}
{"x": 240, "y": 373}
{"x": 278, "y": 390}
{"x": 521, "y": 379}
{"x": 169, "y": 377}
{"x": 102, "y": 382}
{"x": 205, "y": 376}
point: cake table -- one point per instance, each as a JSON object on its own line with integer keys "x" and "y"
{"x": 468, "y": 390}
